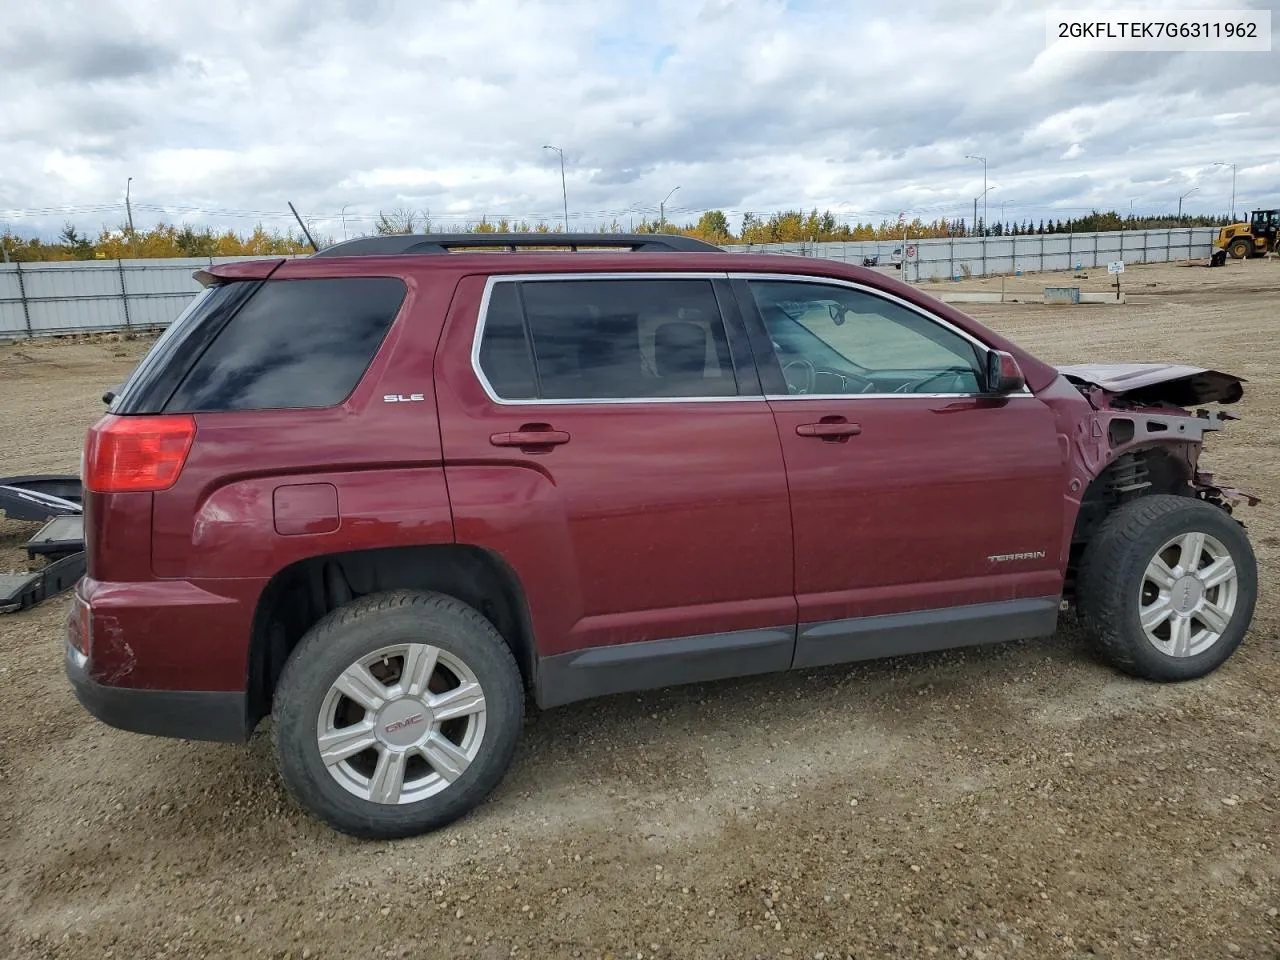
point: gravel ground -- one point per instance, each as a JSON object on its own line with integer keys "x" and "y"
{"x": 1017, "y": 801}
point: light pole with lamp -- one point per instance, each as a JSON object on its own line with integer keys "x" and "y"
{"x": 662, "y": 209}
{"x": 1183, "y": 197}
{"x": 564, "y": 192}
{"x": 970, "y": 156}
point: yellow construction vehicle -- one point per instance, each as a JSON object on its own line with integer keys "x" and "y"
{"x": 1256, "y": 238}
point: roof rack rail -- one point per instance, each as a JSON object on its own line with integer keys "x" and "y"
{"x": 394, "y": 245}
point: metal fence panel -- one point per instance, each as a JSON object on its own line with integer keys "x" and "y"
{"x": 44, "y": 299}
{"x": 152, "y": 281}
{"x": 13, "y": 320}
{"x": 52, "y": 317}
{"x": 71, "y": 280}
{"x": 9, "y": 289}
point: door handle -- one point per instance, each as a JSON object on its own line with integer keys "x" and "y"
{"x": 531, "y": 436}
{"x": 829, "y": 428}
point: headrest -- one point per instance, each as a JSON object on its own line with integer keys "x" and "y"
{"x": 680, "y": 346}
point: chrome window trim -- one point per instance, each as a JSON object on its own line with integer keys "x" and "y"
{"x": 494, "y": 279}
{"x": 774, "y": 397}
{"x": 884, "y": 295}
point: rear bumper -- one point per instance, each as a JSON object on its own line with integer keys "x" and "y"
{"x": 185, "y": 714}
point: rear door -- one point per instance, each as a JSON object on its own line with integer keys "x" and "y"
{"x": 607, "y": 437}
{"x": 925, "y": 515}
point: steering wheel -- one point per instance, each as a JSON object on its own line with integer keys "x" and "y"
{"x": 811, "y": 375}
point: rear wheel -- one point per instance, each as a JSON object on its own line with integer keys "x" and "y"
{"x": 1240, "y": 248}
{"x": 397, "y": 714}
{"x": 1168, "y": 587}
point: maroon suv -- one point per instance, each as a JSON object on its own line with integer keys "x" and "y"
{"x": 385, "y": 492}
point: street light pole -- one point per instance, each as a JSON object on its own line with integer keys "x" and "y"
{"x": 128, "y": 209}
{"x": 662, "y": 209}
{"x": 1220, "y": 163}
{"x": 1183, "y": 197}
{"x": 564, "y": 192}
{"x": 969, "y": 156}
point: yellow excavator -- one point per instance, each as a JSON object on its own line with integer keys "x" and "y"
{"x": 1256, "y": 238}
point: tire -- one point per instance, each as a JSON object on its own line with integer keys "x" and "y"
{"x": 371, "y": 641}
{"x": 1240, "y": 249}
{"x": 1117, "y": 588}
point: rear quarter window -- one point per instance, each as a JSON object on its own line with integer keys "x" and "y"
{"x": 295, "y": 344}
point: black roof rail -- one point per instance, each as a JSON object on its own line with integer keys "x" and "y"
{"x": 386, "y": 246}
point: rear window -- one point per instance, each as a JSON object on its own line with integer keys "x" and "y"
{"x": 295, "y": 344}
{"x": 160, "y": 371}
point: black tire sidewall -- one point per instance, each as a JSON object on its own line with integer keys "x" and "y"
{"x": 332, "y": 646}
{"x": 1199, "y": 517}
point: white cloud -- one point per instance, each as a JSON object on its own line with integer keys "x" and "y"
{"x": 238, "y": 107}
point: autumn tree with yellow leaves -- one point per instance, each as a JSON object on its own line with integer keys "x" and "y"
{"x": 786, "y": 226}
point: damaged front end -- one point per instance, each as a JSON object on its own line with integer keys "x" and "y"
{"x": 1139, "y": 407}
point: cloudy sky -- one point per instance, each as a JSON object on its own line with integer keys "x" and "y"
{"x": 221, "y": 112}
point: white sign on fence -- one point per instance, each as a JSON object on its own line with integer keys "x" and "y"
{"x": 1115, "y": 266}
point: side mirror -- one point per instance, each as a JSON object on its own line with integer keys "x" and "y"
{"x": 1004, "y": 376}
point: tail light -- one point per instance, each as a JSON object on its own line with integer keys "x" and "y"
{"x": 136, "y": 454}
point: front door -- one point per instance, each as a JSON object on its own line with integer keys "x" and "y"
{"x": 608, "y": 440}
{"x": 925, "y": 515}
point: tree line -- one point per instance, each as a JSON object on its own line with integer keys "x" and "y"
{"x": 787, "y": 226}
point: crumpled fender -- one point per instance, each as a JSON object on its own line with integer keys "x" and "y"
{"x": 1157, "y": 383}
{"x": 1119, "y": 425}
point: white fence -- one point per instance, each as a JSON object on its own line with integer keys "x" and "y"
{"x": 949, "y": 257}
{"x": 88, "y": 296}
{"x": 81, "y": 296}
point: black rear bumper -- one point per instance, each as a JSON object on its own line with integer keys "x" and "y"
{"x": 182, "y": 714}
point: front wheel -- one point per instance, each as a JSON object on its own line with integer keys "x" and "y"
{"x": 396, "y": 714}
{"x": 1241, "y": 249}
{"x": 1168, "y": 586}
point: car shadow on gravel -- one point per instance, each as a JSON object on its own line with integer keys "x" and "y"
{"x": 678, "y": 742}
{"x": 672, "y": 746}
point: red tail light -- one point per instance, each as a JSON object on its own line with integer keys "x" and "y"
{"x": 136, "y": 454}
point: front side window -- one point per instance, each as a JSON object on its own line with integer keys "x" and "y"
{"x": 833, "y": 340}
{"x": 606, "y": 340}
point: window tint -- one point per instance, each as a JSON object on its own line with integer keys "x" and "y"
{"x": 504, "y": 347}
{"x": 296, "y": 343}
{"x": 155, "y": 378}
{"x": 836, "y": 340}
{"x": 627, "y": 339}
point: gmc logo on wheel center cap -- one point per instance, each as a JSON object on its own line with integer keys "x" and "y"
{"x": 401, "y": 724}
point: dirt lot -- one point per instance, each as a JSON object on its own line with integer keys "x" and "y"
{"x": 1020, "y": 801}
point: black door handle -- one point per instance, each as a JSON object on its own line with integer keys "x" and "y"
{"x": 831, "y": 429}
{"x": 531, "y": 437}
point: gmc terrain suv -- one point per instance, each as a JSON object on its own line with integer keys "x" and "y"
{"x": 386, "y": 493}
